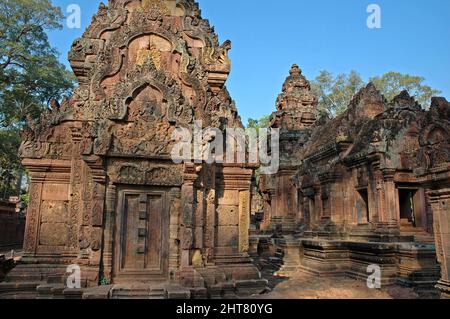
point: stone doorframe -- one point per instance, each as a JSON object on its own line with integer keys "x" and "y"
{"x": 169, "y": 177}
{"x": 144, "y": 194}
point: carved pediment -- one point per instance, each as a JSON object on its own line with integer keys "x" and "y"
{"x": 435, "y": 147}
{"x": 147, "y": 174}
{"x": 144, "y": 67}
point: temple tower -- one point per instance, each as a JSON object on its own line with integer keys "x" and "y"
{"x": 296, "y": 113}
{"x": 107, "y": 195}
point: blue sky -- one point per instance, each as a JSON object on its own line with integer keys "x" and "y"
{"x": 269, "y": 36}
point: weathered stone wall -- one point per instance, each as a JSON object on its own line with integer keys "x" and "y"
{"x": 12, "y": 227}
{"x": 106, "y": 193}
{"x": 369, "y": 186}
{"x": 434, "y": 173}
{"x": 358, "y": 167}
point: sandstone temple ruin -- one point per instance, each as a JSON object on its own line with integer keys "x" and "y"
{"x": 371, "y": 186}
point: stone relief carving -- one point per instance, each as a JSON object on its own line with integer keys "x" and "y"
{"x": 144, "y": 68}
{"x": 146, "y": 174}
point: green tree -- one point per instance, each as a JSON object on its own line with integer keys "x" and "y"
{"x": 30, "y": 74}
{"x": 335, "y": 92}
{"x": 263, "y": 122}
{"x": 10, "y": 169}
{"x": 393, "y": 83}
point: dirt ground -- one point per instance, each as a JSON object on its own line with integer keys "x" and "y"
{"x": 302, "y": 286}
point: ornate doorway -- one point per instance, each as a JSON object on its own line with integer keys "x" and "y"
{"x": 141, "y": 237}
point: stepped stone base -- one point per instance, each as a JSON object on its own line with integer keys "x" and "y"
{"x": 228, "y": 280}
{"x": 406, "y": 263}
{"x": 40, "y": 290}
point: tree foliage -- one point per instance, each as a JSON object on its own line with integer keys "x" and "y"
{"x": 263, "y": 122}
{"x": 335, "y": 92}
{"x": 9, "y": 162}
{"x": 393, "y": 83}
{"x": 30, "y": 73}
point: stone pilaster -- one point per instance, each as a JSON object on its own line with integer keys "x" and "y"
{"x": 391, "y": 198}
{"x": 233, "y": 185}
{"x": 440, "y": 203}
{"x": 188, "y": 215}
{"x": 174, "y": 234}
{"x": 244, "y": 220}
{"x": 210, "y": 226}
{"x": 33, "y": 217}
{"x": 284, "y": 203}
{"x": 108, "y": 234}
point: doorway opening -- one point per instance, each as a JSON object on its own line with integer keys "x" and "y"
{"x": 407, "y": 207}
{"x": 363, "y": 207}
{"x": 312, "y": 211}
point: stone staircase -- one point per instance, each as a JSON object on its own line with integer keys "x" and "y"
{"x": 148, "y": 291}
{"x": 276, "y": 262}
{"x": 418, "y": 235}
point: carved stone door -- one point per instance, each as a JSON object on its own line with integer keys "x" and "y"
{"x": 141, "y": 239}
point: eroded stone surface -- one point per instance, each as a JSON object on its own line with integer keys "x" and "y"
{"x": 369, "y": 187}
{"x": 105, "y": 193}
